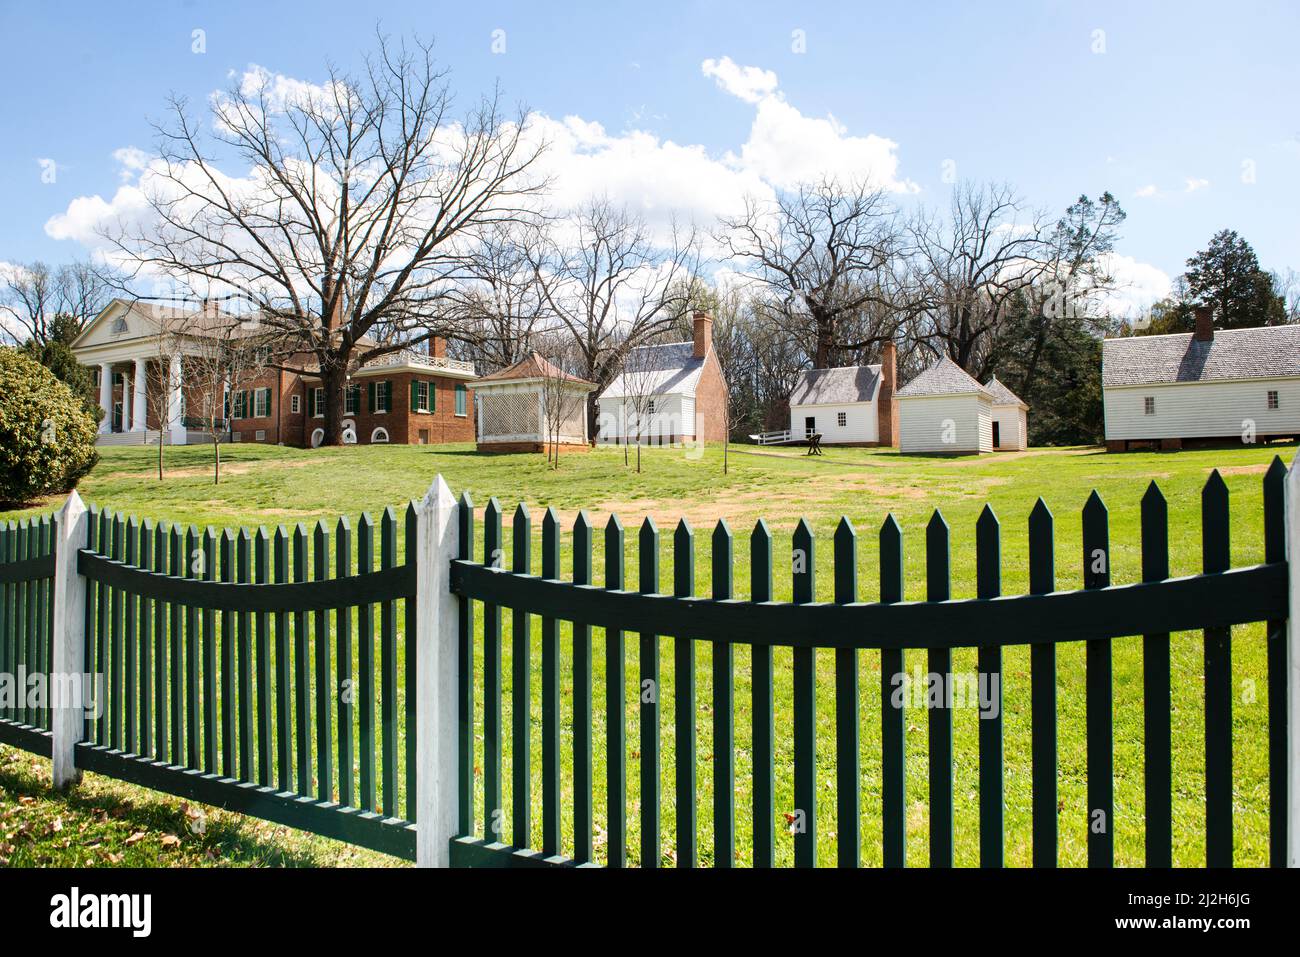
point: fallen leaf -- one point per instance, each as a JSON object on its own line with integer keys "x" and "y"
{"x": 135, "y": 838}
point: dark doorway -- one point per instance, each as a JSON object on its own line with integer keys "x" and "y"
{"x": 997, "y": 438}
{"x": 809, "y": 425}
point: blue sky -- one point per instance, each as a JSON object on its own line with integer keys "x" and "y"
{"x": 1173, "y": 107}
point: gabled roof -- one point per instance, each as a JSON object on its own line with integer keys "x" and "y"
{"x": 669, "y": 369}
{"x": 841, "y": 386}
{"x": 1002, "y": 395}
{"x": 533, "y": 366}
{"x": 945, "y": 377}
{"x": 1261, "y": 353}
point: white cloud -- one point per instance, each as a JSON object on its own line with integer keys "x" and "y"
{"x": 750, "y": 83}
{"x": 132, "y": 161}
{"x": 1193, "y": 184}
{"x": 1138, "y": 285}
{"x": 1147, "y": 191}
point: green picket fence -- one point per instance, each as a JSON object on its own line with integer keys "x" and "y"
{"x": 241, "y": 670}
{"x": 1211, "y": 602}
{"x": 26, "y": 635}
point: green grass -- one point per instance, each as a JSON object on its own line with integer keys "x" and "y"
{"x": 268, "y": 485}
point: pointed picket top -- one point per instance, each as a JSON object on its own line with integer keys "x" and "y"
{"x": 1094, "y": 506}
{"x": 722, "y": 560}
{"x": 938, "y": 579}
{"x": 341, "y": 527}
{"x": 891, "y": 560}
{"x": 582, "y": 535}
{"x": 890, "y": 529}
{"x": 522, "y": 515}
{"x": 492, "y": 511}
{"x": 988, "y": 554}
{"x": 648, "y": 529}
{"x": 614, "y": 558}
{"x": 73, "y": 508}
{"x": 551, "y": 544}
{"x": 648, "y": 556}
{"x": 1274, "y": 511}
{"x": 1040, "y": 512}
{"x": 1215, "y": 542}
{"x": 937, "y": 524}
{"x": 1153, "y": 495}
{"x": 683, "y": 560}
{"x": 760, "y": 562}
{"x": 803, "y": 562}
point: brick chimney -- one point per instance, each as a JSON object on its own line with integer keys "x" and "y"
{"x": 886, "y": 407}
{"x": 437, "y": 346}
{"x": 703, "y": 324}
{"x": 1204, "y": 323}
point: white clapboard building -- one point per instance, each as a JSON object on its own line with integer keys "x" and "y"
{"x": 944, "y": 410}
{"x": 1010, "y": 418}
{"x": 1208, "y": 385}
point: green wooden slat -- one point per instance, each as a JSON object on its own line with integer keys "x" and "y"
{"x": 724, "y": 711}
{"x": 179, "y": 563}
{"x": 550, "y": 694}
{"x": 115, "y": 702}
{"x": 103, "y": 623}
{"x": 805, "y": 703}
{"x": 301, "y": 672}
{"x": 160, "y": 748}
{"x": 684, "y": 702}
{"x": 367, "y": 782}
{"x": 194, "y": 565}
{"x": 893, "y": 718}
{"x": 243, "y": 574}
{"x": 493, "y": 810}
{"x": 345, "y": 688}
{"x": 23, "y": 616}
{"x": 988, "y": 551}
{"x": 615, "y": 706}
{"x": 1218, "y": 684}
{"x": 521, "y": 695}
{"x": 762, "y": 709}
{"x": 1099, "y": 695}
{"x": 937, "y": 588}
{"x": 1156, "y": 701}
{"x": 1042, "y": 691}
{"x": 410, "y": 647}
{"x": 464, "y": 676}
{"x": 130, "y": 555}
{"x": 145, "y": 637}
{"x": 324, "y": 677}
{"x": 1275, "y": 551}
{"x": 283, "y": 689}
{"x": 262, "y": 574}
{"x": 388, "y": 669}
{"x": 209, "y": 659}
{"x": 648, "y": 692}
{"x": 228, "y": 678}
{"x": 848, "y": 776}
{"x": 582, "y": 780}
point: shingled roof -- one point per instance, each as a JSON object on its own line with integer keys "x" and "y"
{"x": 668, "y": 369}
{"x": 1262, "y": 353}
{"x": 945, "y": 377}
{"x": 532, "y": 366}
{"x": 836, "y": 386}
{"x": 1002, "y": 395}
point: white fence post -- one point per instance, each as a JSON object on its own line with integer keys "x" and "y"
{"x": 1293, "y": 663}
{"x": 65, "y": 686}
{"x": 438, "y": 537}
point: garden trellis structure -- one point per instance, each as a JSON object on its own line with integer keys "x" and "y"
{"x": 288, "y": 676}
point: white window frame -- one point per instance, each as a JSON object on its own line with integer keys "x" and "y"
{"x": 375, "y": 439}
{"x": 319, "y": 403}
{"x": 1148, "y": 405}
{"x": 1273, "y": 401}
{"x": 383, "y": 400}
{"x": 421, "y": 396}
{"x": 295, "y": 404}
{"x": 261, "y": 403}
{"x": 351, "y": 399}
{"x": 461, "y": 400}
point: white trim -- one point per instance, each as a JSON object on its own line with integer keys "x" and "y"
{"x": 374, "y": 440}
{"x": 68, "y": 720}
{"x": 1291, "y": 505}
{"x": 317, "y": 437}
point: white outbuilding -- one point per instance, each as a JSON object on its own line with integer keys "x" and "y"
{"x": 944, "y": 410}
{"x": 1010, "y": 418}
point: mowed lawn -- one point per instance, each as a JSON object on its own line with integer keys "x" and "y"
{"x": 275, "y": 486}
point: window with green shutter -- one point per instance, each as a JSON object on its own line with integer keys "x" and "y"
{"x": 462, "y": 396}
{"x": 415, "y": 397}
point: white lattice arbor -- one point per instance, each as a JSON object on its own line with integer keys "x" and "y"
{"x": 529, "y": 405}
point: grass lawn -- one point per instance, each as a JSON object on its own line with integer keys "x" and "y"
{"x": 269, "y": 486}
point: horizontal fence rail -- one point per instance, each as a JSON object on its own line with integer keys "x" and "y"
{"x": 1211, "y": 602}
{"x": 276, "y": 673}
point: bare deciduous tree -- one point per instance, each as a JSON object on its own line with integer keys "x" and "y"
{"x": 500, "y": 303}
{"x": 221, "y": 364}
{"x": 363, "y": 194}
{"x": 34, "y": 296}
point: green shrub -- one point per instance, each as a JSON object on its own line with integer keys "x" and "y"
{"x": 47, "y": 438}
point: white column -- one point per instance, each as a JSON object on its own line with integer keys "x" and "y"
{"x": 438, "y": 538}
{"x": 65, "y": 684}
{"x": 174, "y": 424}
{"x": 106, "y": 397}
{"x": 126, "y": 402}
{"x": 1293, "y": 663}
{"x": 139, "y": 413}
